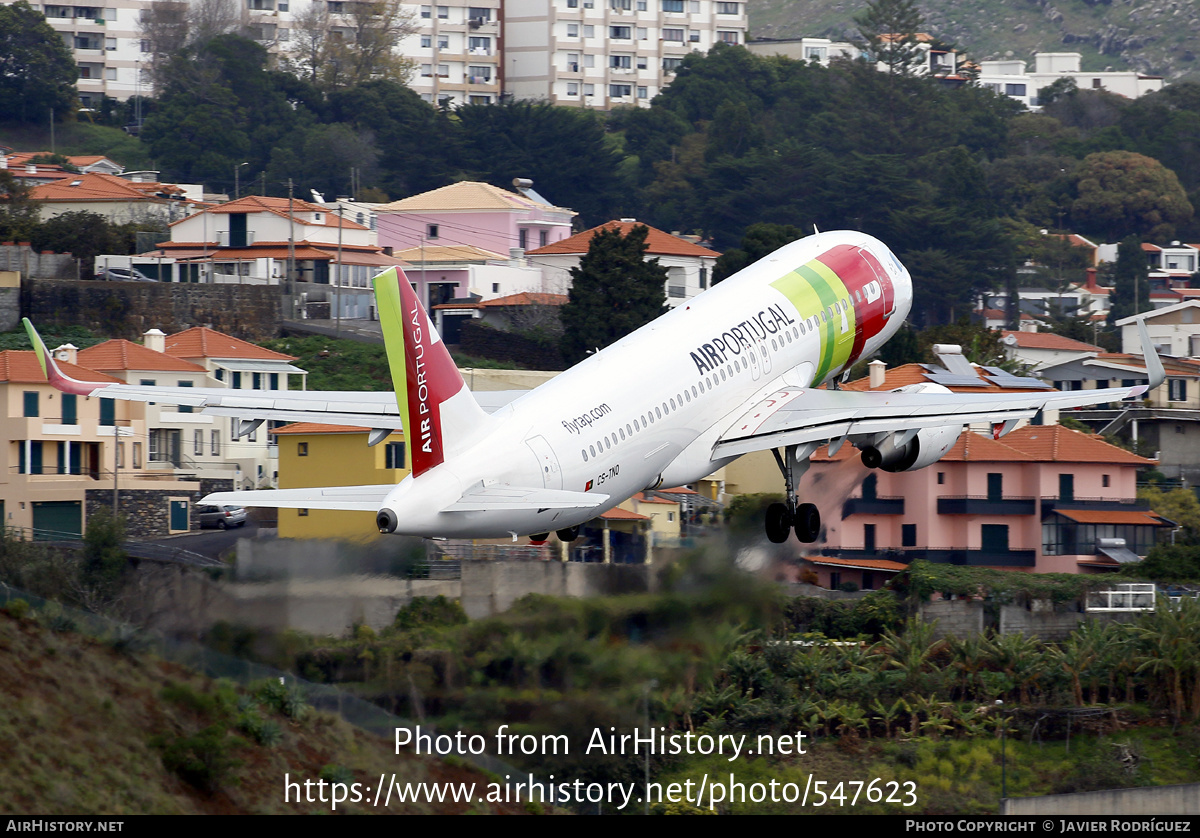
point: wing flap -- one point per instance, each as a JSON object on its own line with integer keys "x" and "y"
{"x": 794, "y": 416}
{"x": 338, "y": 498}
{"x": 505, "y": 497}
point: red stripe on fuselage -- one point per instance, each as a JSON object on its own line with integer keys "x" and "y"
{"x": 871, "y": 291}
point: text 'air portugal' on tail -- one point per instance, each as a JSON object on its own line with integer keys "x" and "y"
{"x": 439, "y": 414}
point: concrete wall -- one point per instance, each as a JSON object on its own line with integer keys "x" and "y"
{"x": 128, "y": 309}
{"x": 1155, "y": 802}
{"x": 962, "y": 618}
{"x": 29, "y": 263}
{"x": 489, "y": 587}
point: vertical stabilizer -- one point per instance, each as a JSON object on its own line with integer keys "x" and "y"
{"x": 439, "y": 413}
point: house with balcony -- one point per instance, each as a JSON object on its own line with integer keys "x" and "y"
{"x": 238, "y": 365}
{"x": 466, "y": 273}
{"x": 1044, "y": 499}
{"x": 475, "y": 215}
{"x": 66, "y": 456}
{"x": 689, "y": 266}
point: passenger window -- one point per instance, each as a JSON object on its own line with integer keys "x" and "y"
{"x": 584, "y": 453}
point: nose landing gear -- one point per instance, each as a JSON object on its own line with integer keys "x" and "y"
{"x": 805, "y": 518}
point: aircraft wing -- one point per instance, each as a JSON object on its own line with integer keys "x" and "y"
{"x": 503, "y": 496}
{"x": 794, "y": 416}
{"x": 341, "y": 498}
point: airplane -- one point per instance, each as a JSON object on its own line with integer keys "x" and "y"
{"x": 736, "y": 369}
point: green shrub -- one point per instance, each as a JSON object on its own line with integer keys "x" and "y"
{"x": 203, "y": 760}
{"x": 430, "y": 612}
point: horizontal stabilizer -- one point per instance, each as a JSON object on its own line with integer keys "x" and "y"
{"x": 341, "y": 498}
{"x": 501, "y": 497}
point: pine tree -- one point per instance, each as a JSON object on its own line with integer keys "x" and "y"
{"x": 614, "y": 291}
{"x": 889, "y": 29}
{"x": 1131, "y": 288}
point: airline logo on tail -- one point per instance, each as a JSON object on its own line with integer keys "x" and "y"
{"x": 423, "y": 373}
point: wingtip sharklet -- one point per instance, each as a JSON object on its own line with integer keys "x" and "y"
{"x": 1154, "y": 365}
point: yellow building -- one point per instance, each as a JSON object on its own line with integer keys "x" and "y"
{"x": 334, "y": 455}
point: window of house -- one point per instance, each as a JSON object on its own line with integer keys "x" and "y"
{"x": 672, "y": 5}
{"x": 729, "y": 8}
{"x": 941, "y": 478}
{"x": 589, "y": 61}
{"x": 1178, "y": 389}
{"x": 643, "y": 93}
{"x": 214, "y": 447}
{"x": 426, "y": 12}
{"x": 108, "y": 412}
{"x": 301, "y": 449}
{"x": 572, "y": 30}
{"x": 479, "y": 74}
{"x": 589, "y": 90}
{"x": 589, "y": 31}
{"x": 572, "y": 88}
{"x": 1104, "y": 481}
{"x": 426, "y": 41}
{"x": 70, "y": 412}
{"x": 184, "y": 408}
{"x": 673, "y": 35}
{"x": 443, "y": 42}
{"x": 522, "y": 238}
{"x": 727, "y": 37}
{"x": 198, "y": 443}
{"x": 137, "y": 454}
{"x": 620, "y": 91}
{"x": 31, "y": 403}
{"x": 394, "y": 455}
{"x": 543, "y": 238}
{"x": 620, "y": 33}
{"x": 431, "y": 231}
{"x": 443, "y": 12}
{"x": 480, "y": 46}
{"x": 908, "y": 535}
{"x": 670, "y": 65}
{"x": 620, "y": 62}
{"x": 303, "y": 513}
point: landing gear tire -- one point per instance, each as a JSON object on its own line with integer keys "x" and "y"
{"x": 568, "y": 535}
{"x": 779, "y": 523}
{"x": 808, "y": 523}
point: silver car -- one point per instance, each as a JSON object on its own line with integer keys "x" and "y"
{"x": 123, "y": 275}
{"x": 222, "y": 517}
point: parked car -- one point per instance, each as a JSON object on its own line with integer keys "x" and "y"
{"x": 123, "y": 275}
{"x": 222, "y": 517}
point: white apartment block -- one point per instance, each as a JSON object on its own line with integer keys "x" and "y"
{"x": 1010, "y": 77}
{"x": 603, "y": 53}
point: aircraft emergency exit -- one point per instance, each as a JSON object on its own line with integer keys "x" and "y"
{"x": 735, "y": 370}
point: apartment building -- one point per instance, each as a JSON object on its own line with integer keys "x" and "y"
{"x": 604, "y": 53}
{"x": 106, "y": 45}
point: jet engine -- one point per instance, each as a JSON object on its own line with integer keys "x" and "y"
{"x": 924, "y": 448}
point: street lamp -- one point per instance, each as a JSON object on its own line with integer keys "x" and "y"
{"x": 237, "y": 180}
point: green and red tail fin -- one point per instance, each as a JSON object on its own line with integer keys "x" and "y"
{"x": 57, "y": 378}
{"x": 439, "y": 413}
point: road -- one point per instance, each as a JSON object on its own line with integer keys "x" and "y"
{"x": 214, "y": 543}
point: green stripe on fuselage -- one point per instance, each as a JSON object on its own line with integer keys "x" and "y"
{"x": 812, "y": 289}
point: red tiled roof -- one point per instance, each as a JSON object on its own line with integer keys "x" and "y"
{"x": 869, "y": 564}
{"x": 316, "y": 428}
{"x": 203, "y": 342}
{"x": 94, "y": 186}
{"x": 524, "y": 298}
{"x": 1054, "y": 443}
{"x": 126, "y": 355}
{"x": 641, "y": 498}
{"x": 658, "y": 243}
{"x": 1047, "y": 340}
{"x": 280, "y": 206}
{"x": 22, "y": 367}
{"x": 1114, "y": 516}
{"x": 619, "y": 514}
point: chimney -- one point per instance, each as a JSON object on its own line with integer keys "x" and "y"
{"x": 1090, "y": 283}
{"x": 155, "y": 339}
{"x": 66, "y": 352}
{"x": 31, "y": 168}
{"x": 877, "y": 372}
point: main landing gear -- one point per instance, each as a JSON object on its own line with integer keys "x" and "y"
{"x": 805, "y": 518}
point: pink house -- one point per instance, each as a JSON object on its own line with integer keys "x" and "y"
{"x": 471, "y": 213}
{"x": 1044, "y": 499}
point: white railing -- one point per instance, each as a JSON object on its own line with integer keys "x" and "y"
{"x": 1132, "y": 596}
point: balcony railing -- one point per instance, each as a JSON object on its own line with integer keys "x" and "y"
{"x": 1053, "y": 503}
{"x": 984, "y": 505}
{"x": 943, "y": 555}
{"x": 873, "y": 506}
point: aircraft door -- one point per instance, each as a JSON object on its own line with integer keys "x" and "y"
{"x": 547, "y": 462}
{"x": 765, "y": 356}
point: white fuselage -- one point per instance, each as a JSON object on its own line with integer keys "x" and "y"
{"x": 643, "y": 412}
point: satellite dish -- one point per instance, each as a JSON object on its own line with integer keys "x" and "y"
{"x": 1009, "y": 340}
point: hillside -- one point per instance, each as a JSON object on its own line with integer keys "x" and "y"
{"x": 87, "y": 728}
{"x": 1153, "y": 37}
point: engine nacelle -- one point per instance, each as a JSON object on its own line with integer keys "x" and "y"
{"x": 926, "y": 448}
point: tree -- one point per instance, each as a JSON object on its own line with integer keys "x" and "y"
{"x": 83, "y": 234}
{"x": 889, "y": 28}
{"x": 1121, "y": 192}
{"x": 37, "y": 71}
{"x": 758, "y": 241}
{"x": 1131, "y": 287}
{"x": 18, "y": 212}
{"x": 614, "y": 291}
{"x": 364, "y": 51}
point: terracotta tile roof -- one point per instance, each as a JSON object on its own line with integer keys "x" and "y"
{"x": 619, "y": 514}
{"x": 641, "y": 498}
{"x": 868, "y": 564}
{"x": 1046, "y": 340}
{"x": 1137, "y": 517}
{"x": 447, "y": 253}
{"x": 466, "y": 195}
{"x": 1177, "y": 366}
{"x": 906, "y": 374}
{"x": 1054, "y": 443}
{"x": 203, "y": 342}
{"x": 279, "y": 206}
{"x": 22, "y": 367}
{"x": 977, "y": 448}
{"x": 658, "y": 243}
{"x": 524, "y": 298}
{"x": 316, "y": 428}
{"x": 95, "y": 186}
{"x": 126, "y": 355}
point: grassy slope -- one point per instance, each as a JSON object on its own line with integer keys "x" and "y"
{"x": 78, "y": 138}
{"x": 1003, "y": 28}
{"x": 77, "y": 722}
